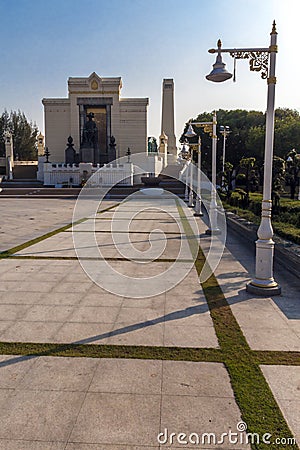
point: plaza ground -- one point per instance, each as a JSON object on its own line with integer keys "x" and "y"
{"x": 83, "y": 368}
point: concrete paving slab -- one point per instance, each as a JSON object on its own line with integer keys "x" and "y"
{"x": 193, "y": 336}
{"x": 156, "y": 303}
{"x": 86, "y": 316}
{"x": 59, "y": 374}
{"x": 118, "y": 419}
{"x": 263, "y": 323}
{"x": 21, "y": 298}
{"x": 110, "y": 403}
{"x": 40, "y": 415}
{"x": 284, "y": 382}
{"x": 35, "y": 217}
{"x": 12, "y": 374}
{"x": 47, "y": 313}
{"x": 20, "y": 444}
{"x": 94, "y": 314}
{"x": 83, "y": 333}
{"x": 141, "y": 333}
{"x": 184, "y": 414}
{"x": 190, "y": 316}
{"x": 127, "y": 376}
{"x": 283, "y": 339}
{"x": 133, "y": 316}
{"x": 100, "y": 298}
{"x": 145, "y": 225}
{"x": 195, "y": 379}
{"x": 30, "y": 332}
{"x": 56, "y": 298}
{"x": 27, "y": 286}
{"x": 5, "y": 325}
{"x": 81, "y": 446}
{"x": 13, "y": 312}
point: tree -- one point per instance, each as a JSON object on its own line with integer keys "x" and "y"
{"x": 226, "y": 177}
{"x": 278, "y": 180}
{"x": 247, "y": 137}
{"x": 292, "y": 170}
{"x": 24, "y": 134}
{"x": 247, "y": 165}
{"x": 152, "y": 145}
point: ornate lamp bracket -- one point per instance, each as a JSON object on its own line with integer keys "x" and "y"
{"x": 207, "y": 127}
{"x": 258, "y": 60}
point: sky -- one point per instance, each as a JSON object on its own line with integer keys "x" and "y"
{"x": 43, "y": 42}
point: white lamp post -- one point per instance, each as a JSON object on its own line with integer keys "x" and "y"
{"x": 211, "y": 128}
{"x": 263, "y": 283}
{"x": 225, "y": 131}
{"x": 191, "y": 193}
{"x": 198, "y": 206}
{"x": 185, "y": 154}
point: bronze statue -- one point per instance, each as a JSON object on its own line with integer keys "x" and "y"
{"x": 90, "y": 132}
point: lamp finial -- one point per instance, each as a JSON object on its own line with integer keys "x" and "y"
{"x": 274, "y": 28}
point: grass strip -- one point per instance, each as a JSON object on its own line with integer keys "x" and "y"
{"x": 125, "y": 232}
{"x": 111, "y": 351}
{"x": 277, "y": 358}
{"x": 74, "y": 258}
{"x": 252, "y": 393}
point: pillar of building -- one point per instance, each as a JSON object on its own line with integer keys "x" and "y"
{"x": 167, "y": 117}
{"x": 163, "y": 147}
{"x": 41, "y": 157}
{"x": 40, "y": 144}
{"x": 9, "y": 154}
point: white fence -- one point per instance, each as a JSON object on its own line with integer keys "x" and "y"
{"x": 72, "y": 175}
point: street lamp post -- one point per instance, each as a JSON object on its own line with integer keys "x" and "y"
{"x": 261, "y": 60}
{"x": 191, "y": 193}
{"x": 190, "y": 134}
{"x": 225, "y": 131}
{"x": 198, "y": 207}
{"x": 211, "y": 128}
{"x": 185, "y": 154}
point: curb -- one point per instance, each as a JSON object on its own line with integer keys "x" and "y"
{"x": 286, "y": 253}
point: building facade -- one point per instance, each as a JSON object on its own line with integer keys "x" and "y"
{"x": 98, "y": 100}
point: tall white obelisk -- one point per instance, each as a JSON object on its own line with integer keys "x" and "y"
{"x": 167, "y": 116}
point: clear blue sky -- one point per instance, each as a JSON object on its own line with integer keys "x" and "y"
{"x": 43, "y": 42}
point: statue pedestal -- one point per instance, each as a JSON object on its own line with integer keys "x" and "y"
{"x": 87, "y": 154}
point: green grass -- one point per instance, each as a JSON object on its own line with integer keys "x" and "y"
{"x": 284, "y": 224}
{"x": 111, "y": 351}
{"x": 244, "y": 213}
{"x": 287, "y": 231}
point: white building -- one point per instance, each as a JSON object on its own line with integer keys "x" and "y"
{"x": 123, "y": 118}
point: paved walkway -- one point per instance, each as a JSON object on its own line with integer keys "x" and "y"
{"x": 61, "y": 402}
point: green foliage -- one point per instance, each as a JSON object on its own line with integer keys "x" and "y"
{"x": 247, "y": 166}
{"x": 285, "y": 218}
{"x": 152, "y": 145}
{"x": 292, "y": 170}
{"x": 247, "y": 137}
{"x": 287, "y": 231}
{"x": 226, "y": 178}
{"x": 24, "y": 135}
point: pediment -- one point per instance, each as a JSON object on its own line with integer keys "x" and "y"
{"x": 95, "y": 81}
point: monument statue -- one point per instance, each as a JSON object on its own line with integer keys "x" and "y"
{"x": 90, "y": 132}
